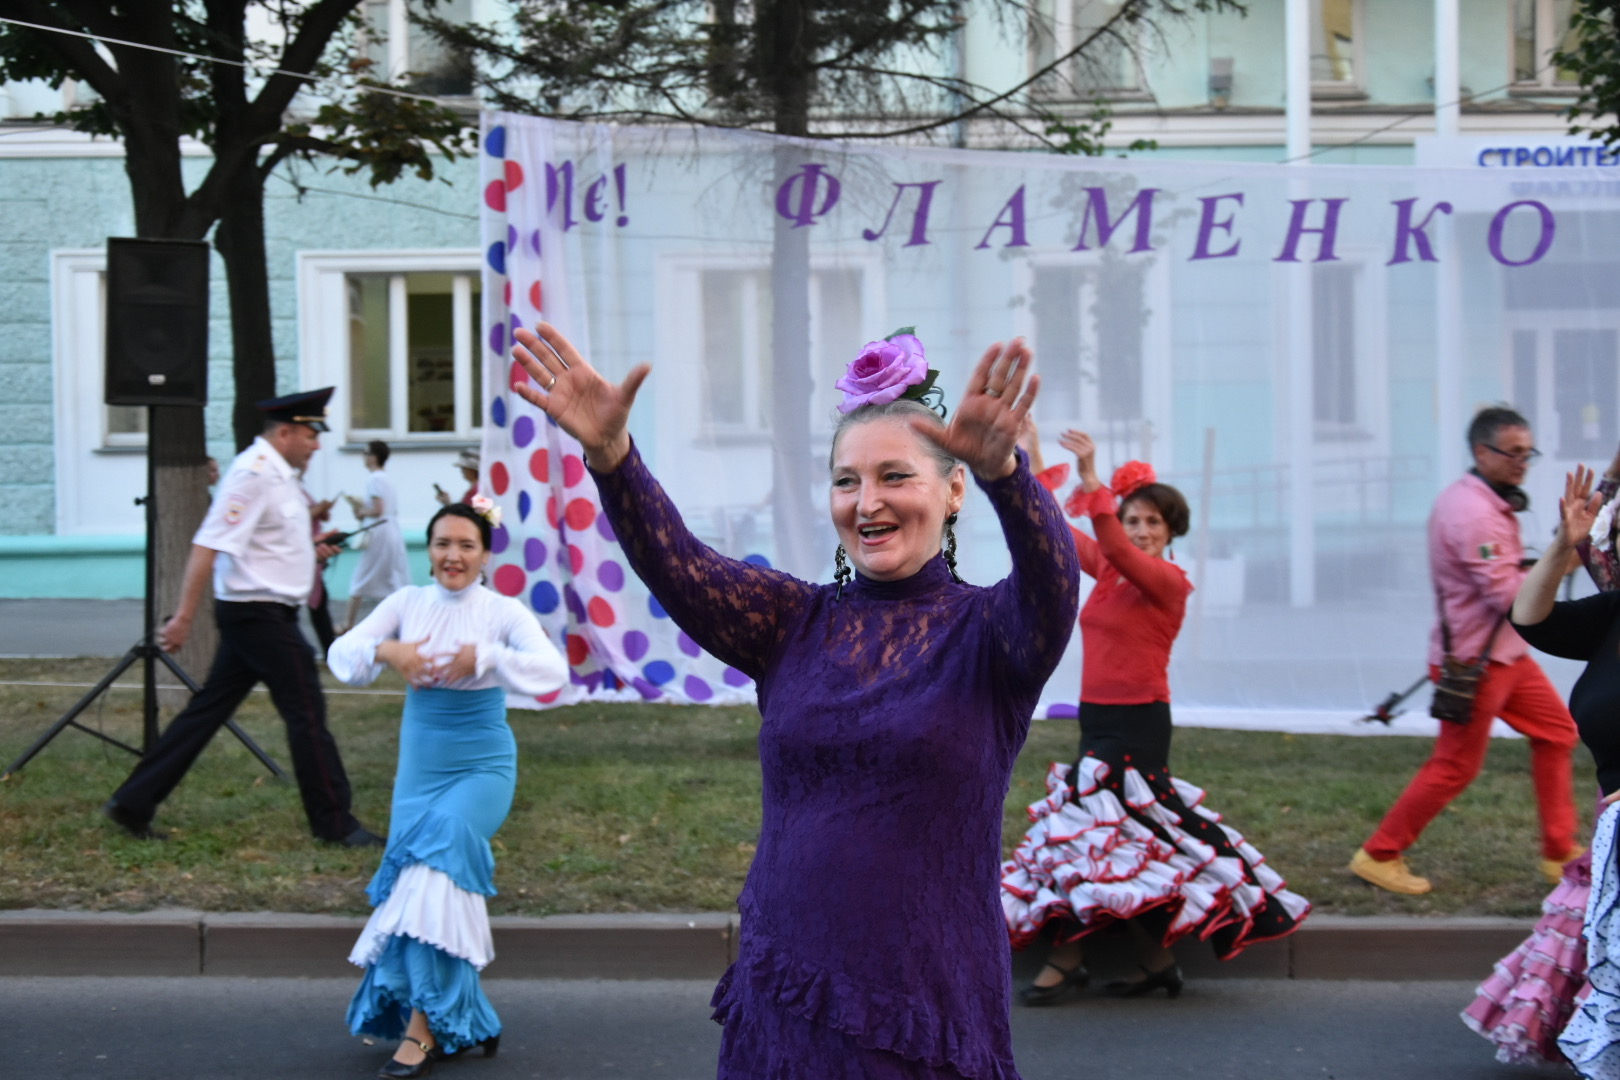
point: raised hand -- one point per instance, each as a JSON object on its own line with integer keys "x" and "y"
{"x": 984, "y": 426}
{"x": 569, "y": 390}
{"x": 1579, "y": 507}
{"x": 1084, "y": 450}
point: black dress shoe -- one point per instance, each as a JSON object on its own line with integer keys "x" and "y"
{"x": 490, "y": 1046}
{"x": 1073, "y": 980}
{"x": 1169, "y": 980}
{"x": 398, "y": 1070}
{"x": 125, "y": 819}
{"x": 363, "y": 837}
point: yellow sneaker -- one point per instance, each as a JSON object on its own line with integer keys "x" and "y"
{"x": 1392, "y": 874}
{"x": 1553, "y": 869}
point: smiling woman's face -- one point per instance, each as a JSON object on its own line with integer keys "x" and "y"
{"x": 456, "y": 552}
{"x": 888, "y": 500}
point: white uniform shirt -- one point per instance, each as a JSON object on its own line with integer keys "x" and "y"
{"x": 259, "y": 523}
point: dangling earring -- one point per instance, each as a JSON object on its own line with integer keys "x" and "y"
{"x": 841, "y": 572}
{"x": 950, "y": 548}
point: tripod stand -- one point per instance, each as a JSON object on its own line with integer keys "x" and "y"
{"x": 148, "y": 653}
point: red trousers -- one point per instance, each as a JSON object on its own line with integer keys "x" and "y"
{"x": 1521, "y": 694}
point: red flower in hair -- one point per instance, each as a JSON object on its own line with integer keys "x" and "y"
{"x": 1132, "y": 476}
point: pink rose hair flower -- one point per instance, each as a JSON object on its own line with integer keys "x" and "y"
{"x": 883, "y": 372}
{"x": 1130, "y": 477}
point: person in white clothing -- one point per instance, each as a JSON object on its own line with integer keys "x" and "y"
{"x": 384, "y": 568}
{"x": 461, "y": 648}
{"x": 257, "y": 548}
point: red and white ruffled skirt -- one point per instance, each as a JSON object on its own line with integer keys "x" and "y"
{"x": 1113, "y": 843}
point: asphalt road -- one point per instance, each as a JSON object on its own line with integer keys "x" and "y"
{"x": 208, "y": 1027}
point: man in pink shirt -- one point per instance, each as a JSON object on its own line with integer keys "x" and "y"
{"x": 1474, "y": 557}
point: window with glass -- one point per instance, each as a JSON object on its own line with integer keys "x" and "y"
{"x": 1336, "y": 44}
{"x": 414, "y": 355}
{"x": 400, "y": 49}
{"x": 1540, "y": 29}
{"x": 736, "y": 312}
{"x": 1106, "y": 63}
{"x": 1335, "y": 392}
{"x": 1081, "y": 315}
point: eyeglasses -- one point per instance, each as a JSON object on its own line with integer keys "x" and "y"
{"x": 1525, "y": 455}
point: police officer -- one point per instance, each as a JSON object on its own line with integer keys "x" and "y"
{"x": 256, "y": 545}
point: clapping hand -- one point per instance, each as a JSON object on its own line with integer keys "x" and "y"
{"x": 578, "y": 397}
{"x": 983, "y": 429}
{"x": 457, "y": 667}
{"x": 1084, "y": 450}
{"x": 1579, "y": 506}
{"x": 406, "y": 658}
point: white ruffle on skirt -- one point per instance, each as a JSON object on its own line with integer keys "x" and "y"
{"x": 1086, "y": 861}
{"x": 427, "y": 905}
{"x": 1591, "y": 1040}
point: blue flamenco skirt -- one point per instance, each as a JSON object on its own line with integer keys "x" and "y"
{"x": 429, "y": 936}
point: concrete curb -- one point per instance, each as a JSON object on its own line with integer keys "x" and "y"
{"x": 676, "y": 946}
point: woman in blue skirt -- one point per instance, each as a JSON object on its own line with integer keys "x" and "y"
{"x": 461, "y": 648}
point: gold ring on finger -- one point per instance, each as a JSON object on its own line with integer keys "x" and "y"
{"x": 991, "y": 391}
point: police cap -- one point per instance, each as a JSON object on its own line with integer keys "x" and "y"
{"x": 306, "y": 407}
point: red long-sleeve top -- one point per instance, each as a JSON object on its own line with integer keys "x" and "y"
{"x": 1132, "y": 617}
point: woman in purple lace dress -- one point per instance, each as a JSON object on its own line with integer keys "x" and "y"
{"x": 894, "y": 702}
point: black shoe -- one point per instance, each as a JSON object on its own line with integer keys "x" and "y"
{"x": 125, "y": 819}
{"x": 1169, "y": 980}
{"x": 490, "y": 1046}
{"x": 398, "y": 1070}
{"x": 362, "y": 837}
{"x": 1075, "y": 979}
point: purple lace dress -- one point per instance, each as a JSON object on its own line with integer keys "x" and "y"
{"x": 872, "y": 943}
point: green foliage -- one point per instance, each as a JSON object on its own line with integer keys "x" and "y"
{"x": 1595, "y": 62}
{"x": 656, "y": 808}
{"x": 831, "y": 69}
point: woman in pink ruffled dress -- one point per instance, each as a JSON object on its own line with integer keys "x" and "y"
{"x": 1534, "y": 991}
{"x": 1119, "y": 839}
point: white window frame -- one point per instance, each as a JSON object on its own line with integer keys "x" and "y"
{"x": 1157, "y": 420}
{"x": 91, "y": 462}
{"x": 1356, "y": 85}
{"x": 1547, "y": 34}
{"x": 1544, "y": 324}
{"x": 1369, "y": 432}
{"x": 680, "y": 290}
{"x": 1055, "y": 20}
{"x": 323, "y": 327}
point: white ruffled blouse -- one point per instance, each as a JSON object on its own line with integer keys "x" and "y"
{"x": 513, "y": 651}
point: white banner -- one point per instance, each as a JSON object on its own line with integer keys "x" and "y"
{"x": 1298, "y": 349}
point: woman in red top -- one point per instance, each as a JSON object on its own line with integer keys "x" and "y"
{"x": 1118, "y": 838}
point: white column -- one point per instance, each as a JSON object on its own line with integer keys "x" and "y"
{"x": 1447, "y": 81}
{"x": 1297, "y": 57}
{"x": 1449, "y": 419}
{"x": 1297, "y": 367}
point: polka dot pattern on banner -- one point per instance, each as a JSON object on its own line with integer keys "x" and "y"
{"x": 497, "y": 257}
{"x": 659, "y": 672}
{"x": 534, "y": 553}
{"x": 499, "y": 478}
{"x": 495, "y": 141}
{"x": 635, "y": 645}
{"x": 580, "y": 514}
{"x": 697, "y": 689}
{"x": 757, "y": 560}
{"x": 525, "y": 504}
{"x": 656, "y": 609}
{"x": 540, "y": 465}
{"x": 733, "y": 677}
{"x": 687, "y": 645}
{"x": 522, "y": 432}
{"x": 605, "y": 528}
{"x": 514, "y": 176}
{"x": 600, "y": 612}
{"x": 499, "y": 538}
{"x": 611, "y": 575}
{"x": 573, "y": 470}
{"x": 509, "y": 580}
{"x": 495, "y": 196}
{"x": 578, "y": 649}
{"x": 497, "y": 411}
{"x": 543, "y": 598}
{"x": 1061, "y": 711}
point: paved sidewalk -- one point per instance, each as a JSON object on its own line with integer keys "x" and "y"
{"x": 677, "y": 946}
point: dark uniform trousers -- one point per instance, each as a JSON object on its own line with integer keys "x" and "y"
{"x": 258, "y": 642}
